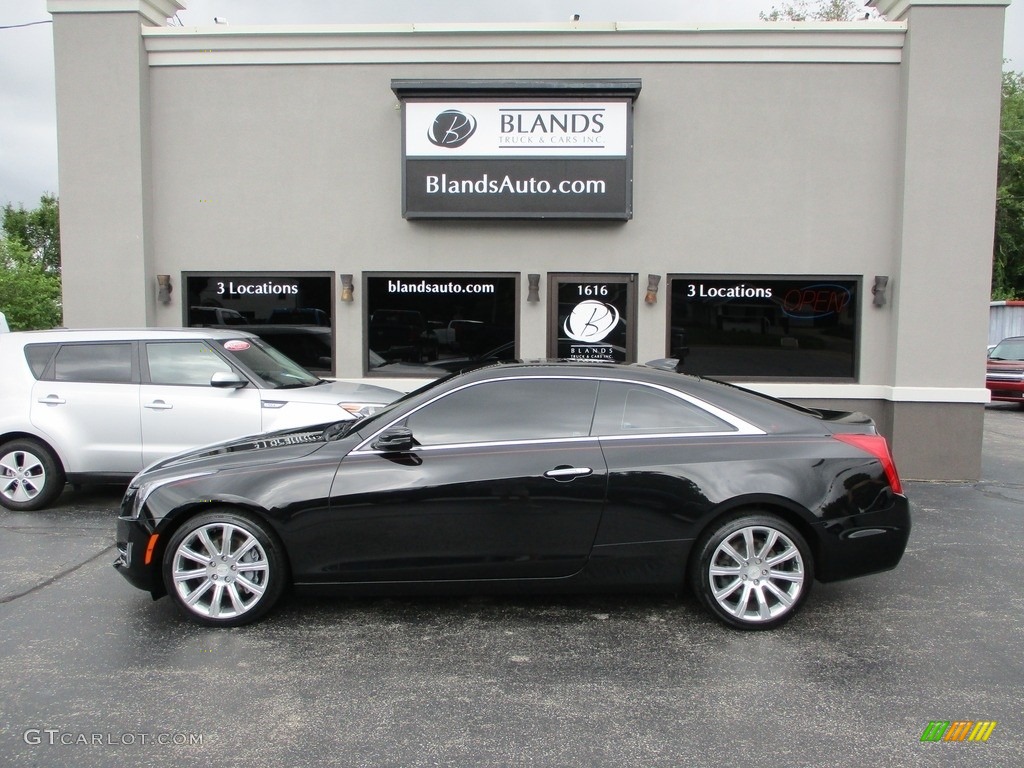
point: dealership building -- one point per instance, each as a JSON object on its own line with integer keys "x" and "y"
{"x": 803, "y": 208}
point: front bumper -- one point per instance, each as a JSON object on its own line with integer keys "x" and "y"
{"x": 1006, "y": 388}
{"x": 133, "y": 540}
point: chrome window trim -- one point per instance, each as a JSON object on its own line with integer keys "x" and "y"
{"x": 741, "y": 427}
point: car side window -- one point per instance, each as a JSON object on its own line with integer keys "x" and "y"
{"x": 38, "y": 357}
{"x": 99, "y": 363}
{"x": 634, "y": 409}
{"x": 187, "y": 363}
{"x": 516, "y": 409}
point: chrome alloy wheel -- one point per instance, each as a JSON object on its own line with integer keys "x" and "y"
{"x": 757, "y": 574}
{"x": 23, "y": 476}
{"x": 220, "y": 570}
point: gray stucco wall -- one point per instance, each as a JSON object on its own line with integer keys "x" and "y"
{"x": 798, "y": 149}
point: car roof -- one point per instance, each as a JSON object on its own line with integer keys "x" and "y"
{"x": 125, "y": 334}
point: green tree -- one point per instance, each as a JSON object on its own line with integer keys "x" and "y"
{"x": 825, "y": 10}
{"x": 37, "y": 229}
{"x": 29, "y": 293}
{"x": 1008, "y": 248}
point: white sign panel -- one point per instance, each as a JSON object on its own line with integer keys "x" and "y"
{"x": 547, "y": 129}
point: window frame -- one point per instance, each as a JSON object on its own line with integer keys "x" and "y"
{"x": 742, "y": 427}
{"x": 50, "y": 374}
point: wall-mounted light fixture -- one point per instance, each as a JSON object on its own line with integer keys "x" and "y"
{"x": 163, "y": 289}
{"x": 347, "y": 289}
{"x": 533, "y": 294}
{"x": 879, "y": 288}
{"x": 652, "y": 289}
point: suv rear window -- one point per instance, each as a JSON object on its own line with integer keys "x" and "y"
{"x": 94, "y": 363}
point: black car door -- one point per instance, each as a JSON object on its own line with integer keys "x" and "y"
{"x": 504, "y": 482}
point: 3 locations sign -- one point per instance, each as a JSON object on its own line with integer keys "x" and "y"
{"x": 524, "y": 155}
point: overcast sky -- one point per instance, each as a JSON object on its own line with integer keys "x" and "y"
{"x": 28, "y": 134}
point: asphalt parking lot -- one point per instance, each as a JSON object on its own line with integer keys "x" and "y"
{"x": 94, "y": 673}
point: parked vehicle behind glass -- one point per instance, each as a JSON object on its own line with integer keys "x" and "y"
{"x": 99, "y": 405}
{"x": 555, "y": 477}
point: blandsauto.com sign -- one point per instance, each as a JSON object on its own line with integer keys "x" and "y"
{"x": 517, "y": 158}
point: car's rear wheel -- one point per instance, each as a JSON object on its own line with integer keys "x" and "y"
{"x": 30, "y": 476}
{"x": 752, "y": 571}
{"x": 224, "y": 568}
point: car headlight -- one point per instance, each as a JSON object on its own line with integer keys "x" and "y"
{"x": 143, "y": 490}
{"x": 361, "y": 410}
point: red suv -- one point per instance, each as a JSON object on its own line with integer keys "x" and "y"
{"x": 1005, "y": 373}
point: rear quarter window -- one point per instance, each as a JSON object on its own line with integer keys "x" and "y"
{"x": 38, "y": 357}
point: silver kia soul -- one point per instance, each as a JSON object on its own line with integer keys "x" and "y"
{"x": 99, "y": 405}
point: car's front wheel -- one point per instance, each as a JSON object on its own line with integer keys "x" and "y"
{"x": 752, "y": 571}
{"x": 223, "y": 568}
{"x": 30, "y": 476}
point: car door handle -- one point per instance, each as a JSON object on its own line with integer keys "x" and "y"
{"x": 158, "y": 405}
{"x": 52, "y": 400}
{"x": 568, "y": 473}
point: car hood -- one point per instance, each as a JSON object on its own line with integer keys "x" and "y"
{"x": 994, "y": 366}
{"x": 333, "y": 392}
{"x": 262, "y": 448}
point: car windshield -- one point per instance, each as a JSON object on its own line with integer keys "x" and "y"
{"x": 1008, "y": 349}
{"x": 275, "y": 370}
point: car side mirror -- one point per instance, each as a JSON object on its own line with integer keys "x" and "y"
{"x": 395, "y": 440}
{"x": 227, "y": 380}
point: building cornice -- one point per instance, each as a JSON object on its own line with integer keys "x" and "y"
{"x": 152, "y": 11}
{"x": 897, "y": 9}
{"x": 570, "y": 42}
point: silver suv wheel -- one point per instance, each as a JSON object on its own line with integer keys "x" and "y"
{"x": 30, "y": 478}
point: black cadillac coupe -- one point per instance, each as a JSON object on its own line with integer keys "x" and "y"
{"x": 551, "y": 477}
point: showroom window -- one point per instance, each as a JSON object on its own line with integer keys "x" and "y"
{"x": 765, "y": 327}
{"x": 290, "y": 311}
{"x": 428, "y": 323}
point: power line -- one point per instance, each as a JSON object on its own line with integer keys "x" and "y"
{"x": 29, "y": 24}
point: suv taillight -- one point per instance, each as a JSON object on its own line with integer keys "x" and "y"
{"x": 877, "y": 446}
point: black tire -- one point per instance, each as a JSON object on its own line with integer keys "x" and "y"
{"x": 31, "y": 477}
{"x": 229, "y": 586}
{"x": 731, "y": 570}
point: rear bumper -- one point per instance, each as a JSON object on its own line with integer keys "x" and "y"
{"x": 866, "y": 543}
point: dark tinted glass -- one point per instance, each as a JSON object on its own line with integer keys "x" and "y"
{"x": 765, "y": 327}
{"x": 521, "y": 409}
{"x": 94, "y": 362}
{"x": 457, "y": 320}
{"x": 39, "y": 356}
{"x": 631, "y": 409}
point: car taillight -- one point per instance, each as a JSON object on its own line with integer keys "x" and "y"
{"x": 877, "y": 446}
